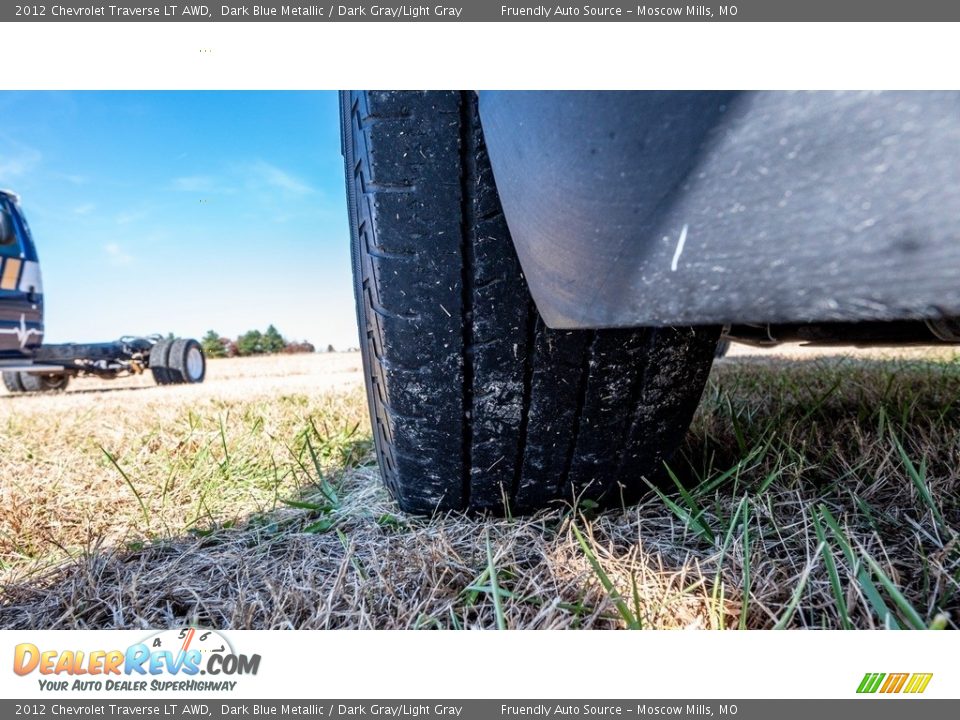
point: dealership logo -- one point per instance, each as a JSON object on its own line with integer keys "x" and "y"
{"x": 911, "y": 683}
{"x": 168, "y": 660}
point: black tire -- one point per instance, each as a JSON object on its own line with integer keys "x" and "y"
{"x": 11, "y": 380}
{"x": 179, "y": 366}
{"x": 159, "y": 360}
{"x": 44, "y": 383}
{"x": 475, "y": 404}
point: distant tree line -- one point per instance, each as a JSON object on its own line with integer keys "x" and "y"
{"x": 253, "y": 342}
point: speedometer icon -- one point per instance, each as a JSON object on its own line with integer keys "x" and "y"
{"x": 182, "y": 640}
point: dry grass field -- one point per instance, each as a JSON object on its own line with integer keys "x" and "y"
{"x": 822, "y": 492}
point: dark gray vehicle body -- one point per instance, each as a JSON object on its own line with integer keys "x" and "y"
{"x": 685, "y": 208}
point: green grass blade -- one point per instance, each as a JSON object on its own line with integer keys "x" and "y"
{"x": 710, "y": 485}
{"x": 908, "y": 612}
{"x": 695, "y": 509}
{"x": 689, "y": 521}
{"x": 867, "y": 586}
{"x": 324, "y": 486}
{"x": 841, "y": 536}
{"x": 831, "y": 565}
{"x": 495, "y": 588}
{"x": 746, "y": 565}
{"x": 791, "y": 609}
{"x": 939, "y": 622}
{"x": 307, "y": 505}
{"x": 320, "y": 526}
{"x": 918, "y": 478}
{"x": 637, "y": 605}
{"x": 728, "y": 538}
{"x": 225, "y": 466}
{"x": 608, "y": 586}
{"x": 129, "y": 482}
{"x": 880, "y": 609}
{"x": 473, "y": 590}
{"x": 354, "y": 560}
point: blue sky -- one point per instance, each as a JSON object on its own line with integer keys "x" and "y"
{"x": 183, "y": 211}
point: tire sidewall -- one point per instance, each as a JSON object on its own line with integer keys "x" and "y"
{"x": 159, "y": 361}
{"x": 180, "y": 361}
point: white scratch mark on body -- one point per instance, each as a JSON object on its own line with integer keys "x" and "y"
{"x": 676, "y": 253}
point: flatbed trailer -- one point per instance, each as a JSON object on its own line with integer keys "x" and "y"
{"x": 171, "y": 361}
{"x": 28, "y": 365}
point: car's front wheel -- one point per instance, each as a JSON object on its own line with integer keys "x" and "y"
{"x": 475, "y": 404}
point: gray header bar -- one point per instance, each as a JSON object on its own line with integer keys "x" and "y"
{"x": 216, "y": 709}
{"x": 481, "y": 11}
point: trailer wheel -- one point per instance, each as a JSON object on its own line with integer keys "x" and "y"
{"x": 11, "y": 381}
{"x": 32, "y": 382}
{"x": 159, "y": 361}
{"x": 186, "y": 362}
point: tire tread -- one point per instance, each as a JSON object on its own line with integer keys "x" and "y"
{"x": 475, "y": 404}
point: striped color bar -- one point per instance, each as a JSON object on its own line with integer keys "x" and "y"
{"x": 870, "y": 682}
{"x": 894, "y": 683}
{"x": 918, "y": 682}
